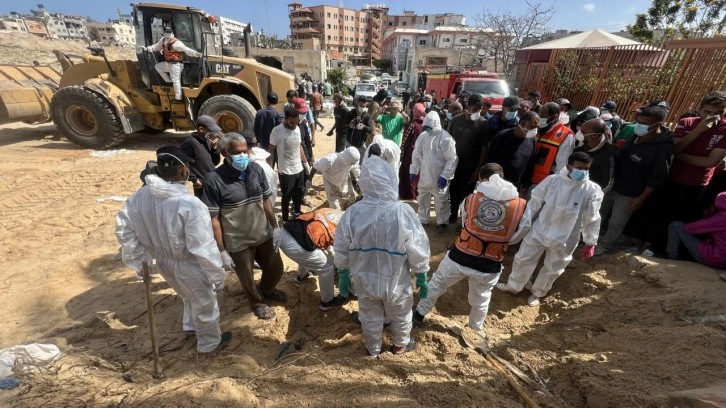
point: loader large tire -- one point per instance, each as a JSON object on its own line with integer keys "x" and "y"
{"x": 86, "y": 118}
{"x": 231, "y": 112}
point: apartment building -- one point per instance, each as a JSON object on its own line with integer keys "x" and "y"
{"x": 62, "y": 26}
{"x": 13, "y": 23}
{"x": 409, "y": 19}
{"x": 229, "y": 27}
{"x": 357, "y": 34}
{"x": 113, "y": 32}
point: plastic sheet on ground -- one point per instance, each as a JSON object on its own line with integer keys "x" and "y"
{"x": 111, "y": 198}
{"x": 102, "y": 154}
{"x": 26, "y": 358}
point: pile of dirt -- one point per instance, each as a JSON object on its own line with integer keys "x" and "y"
{"x": 615, "y": 331}
{"x": 23, "y": 49}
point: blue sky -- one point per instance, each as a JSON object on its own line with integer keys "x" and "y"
{"x": 271, "y": 15}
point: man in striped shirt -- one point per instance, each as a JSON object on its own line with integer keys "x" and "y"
{"x": 244, "y": 223}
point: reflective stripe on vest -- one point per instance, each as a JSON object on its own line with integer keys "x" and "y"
{"x": 169, "y": 53}
{"x": 321, "y": 226}
{"x": 489, "y": 225}
{"x": 546, "y": 152}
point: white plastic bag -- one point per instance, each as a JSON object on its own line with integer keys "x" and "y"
{"x": 26, "y": 357}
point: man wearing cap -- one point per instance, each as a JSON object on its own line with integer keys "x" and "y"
{"x": 201, "y": 148}
{"x": 469, "y": 131}
{"x": 171, "y": 68}
{"x": 244, "y": 223}
{"x": 162, "y": 221}
{"x": 307, "y": 129}
{"x": 568, "y": 113}
{"x": 286, "y": 143}
{"x": 534, "y": 97}
{"x": 506, "y": 119}
{"x": 266, "y": 119}
{"x": 614, "y": 121}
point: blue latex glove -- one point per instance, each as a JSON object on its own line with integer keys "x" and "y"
{"x": 412, "y": 177}
{"x": 422, "y": 285}
{"x": 344, "y": 282}
{"x": 443, "y": 182}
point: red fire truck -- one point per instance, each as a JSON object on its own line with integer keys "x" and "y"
{"x": 486, "y": 84}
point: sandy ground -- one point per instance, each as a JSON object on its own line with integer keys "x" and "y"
{"x": 616, "y": 331}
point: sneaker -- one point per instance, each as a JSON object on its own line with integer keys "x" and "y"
{"x": 648, "y": 253}
{"x": 300, "y": 279}
{"x": 333, "y": 303}
{"x": 404, "y": 349}
{"x": 533, "y": 300}
{"x": 441, "y": 228}
{"x": 418, "y": 318}
{"x": 504, "y": 287}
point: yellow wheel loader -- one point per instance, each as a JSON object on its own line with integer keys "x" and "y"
{"x": 98, "y": 102}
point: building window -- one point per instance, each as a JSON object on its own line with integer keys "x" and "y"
{"x": 446, "y": 40}
{"x": 328, "y": 26}
{"x": 328, "y": 14}
{"x": 426, "y": 19}
{"x": 329, "y": 38}
{"x": 340, "y": 49}
{"x": 463, "y": 40}
{"x": 390, "y": 23}
{"x": 421, "y": 42}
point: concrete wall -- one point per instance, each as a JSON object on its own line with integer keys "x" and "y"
{"x": 294, "y": 61}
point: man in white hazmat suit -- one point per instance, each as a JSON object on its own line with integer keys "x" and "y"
{"x": 171, "y": 68}
{"x": 379, "y": 242}
{"x": 562, "y": 206}
{"x": 489, "y": 218}
{"x": 259, "y": 155}
{"x": 434, "y": 163}
{"x": 163, "y": 221}
{"x": 387, "y": 150}
{"x": 336, "y": 168}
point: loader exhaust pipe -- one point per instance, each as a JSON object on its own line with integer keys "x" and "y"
{"x": 248, "y": 41}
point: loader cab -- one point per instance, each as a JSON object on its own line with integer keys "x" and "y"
{"x": 190, "y": 25}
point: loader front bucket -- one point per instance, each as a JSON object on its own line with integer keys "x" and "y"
{"x": 25, "y": 93}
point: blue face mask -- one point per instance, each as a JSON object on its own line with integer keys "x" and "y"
{"x": 640, "y": 129}
{"x": 240, "y": 161}
{"x": 449, "y": 115}
{"x": 510, "y": 115}
{"x": 579, "y": 175}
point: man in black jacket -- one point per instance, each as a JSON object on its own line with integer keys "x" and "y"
{"x": 201, "y": 147}
{"x": 595, "y": 143}
{"x": 641, "y": 167}
{"x": 340, "y": 112}
{"x": 513, "y": 148}
{"x": 266, "y": 119}
{"x": 359, "y": 125}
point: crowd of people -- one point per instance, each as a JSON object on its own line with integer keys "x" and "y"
{"x": 538, "y": 174}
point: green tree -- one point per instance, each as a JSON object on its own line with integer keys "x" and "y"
{"x": 382, "y": 64}
{"x": 671, "y": 19}
{"x": 337, "y": 77}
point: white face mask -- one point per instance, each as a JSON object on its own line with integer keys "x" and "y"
{"x": 475, "y": 115}
{"x": 167, "y": 35}
{"x": 579, "y": 136}
{"x": 564, "y": 118}
{"x": 531, "y": 134}
{"x": 301, "y": 117}
{"x": 360, "y": 109}
{"x": 543, "y": 122}
{"x": 427, "y": 104}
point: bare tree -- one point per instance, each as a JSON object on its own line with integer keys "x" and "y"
{"x": 501, "y": 33}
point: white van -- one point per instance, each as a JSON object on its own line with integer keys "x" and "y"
{"x": 367, "y": 89}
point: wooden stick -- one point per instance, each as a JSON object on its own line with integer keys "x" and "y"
{"x": 158, "y": 373}
{"x": 512, "y": 382}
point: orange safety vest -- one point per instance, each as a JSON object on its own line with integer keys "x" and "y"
{"x": 489, "y": 225}
{"x": 169, "y": 53}
{"x": 321, "y": 226}
{"x": 546, "y": 151}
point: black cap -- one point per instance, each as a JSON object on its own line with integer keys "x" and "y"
{"x": 660, "y": 104}
{"x": 563, "y": 101}
{"x": 171, "y": 156}
{"x": 511, "y": 102}
{"x": 209, "y": 123}
{"x": 166, "y": 29}
{"x": 474, "y": 100}
{"x": 272, "y": 98}
{"x": 362, "y": 98}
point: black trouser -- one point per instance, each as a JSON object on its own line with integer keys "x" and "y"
{"x": 292, "y": 186}
{"x": 460, "y": 187}
{"x": 671, "y": 202}
{"x": 339, "y": 142}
